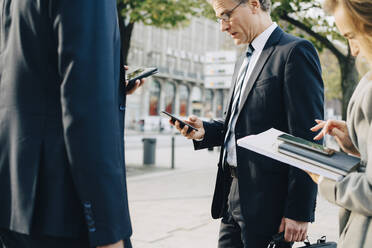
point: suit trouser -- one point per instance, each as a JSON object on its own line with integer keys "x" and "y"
{"x": 233, "y": 229}
{"x": 10, "y": 239}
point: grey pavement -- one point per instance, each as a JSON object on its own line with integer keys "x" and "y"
{"x": 171, "y": 208}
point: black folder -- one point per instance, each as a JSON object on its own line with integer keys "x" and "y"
{"x": 339, "y": 162}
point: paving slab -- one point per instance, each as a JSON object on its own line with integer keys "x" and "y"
{"x": 171, "y": 208}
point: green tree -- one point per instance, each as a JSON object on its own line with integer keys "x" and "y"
{"x": 159, "y": 13}
{"x": 331, "y": 75}
{"x": 309, "y": 17}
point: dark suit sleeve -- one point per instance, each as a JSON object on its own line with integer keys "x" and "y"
{"x": 303, "y": 99}
{"x": 85, "y": 33}
{"x": 214, "y": 135}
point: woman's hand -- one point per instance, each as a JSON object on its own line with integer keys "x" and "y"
{"x": 337, "y": 129}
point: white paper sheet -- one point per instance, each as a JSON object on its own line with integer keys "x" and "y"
{"x": 266, "y": 144}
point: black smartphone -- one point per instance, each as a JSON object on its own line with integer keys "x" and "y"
{"x": 306, "y": 144}
{"x": 139, "y": 73}
{"x": 182, "y": 123}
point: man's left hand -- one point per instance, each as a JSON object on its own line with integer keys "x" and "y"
{"x": 294, "y": 231}
{"x": 138, "y": 84}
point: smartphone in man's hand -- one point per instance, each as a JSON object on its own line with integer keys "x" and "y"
{"x": 182, "y": 123}
{"x": 139, "y": 74}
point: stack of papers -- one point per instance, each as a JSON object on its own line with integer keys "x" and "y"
{"x": 267, "y": 144}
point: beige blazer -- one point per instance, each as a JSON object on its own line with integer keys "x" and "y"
{"x": 354, "y": 192}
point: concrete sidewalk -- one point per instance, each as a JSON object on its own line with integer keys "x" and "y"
{"x": 171, "y": 208}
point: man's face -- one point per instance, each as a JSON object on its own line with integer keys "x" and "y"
{"x": 242, "y": 25}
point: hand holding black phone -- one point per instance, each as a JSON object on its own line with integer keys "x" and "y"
{"x": 139, "y": 74}
{"x": 182, "y": 123}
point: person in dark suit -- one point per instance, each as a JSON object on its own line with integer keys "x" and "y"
{"x": 62, "y": 103}
{"x": 276, "y": 84}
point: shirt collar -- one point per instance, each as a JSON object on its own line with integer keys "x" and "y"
{"x": 260, "y": 41}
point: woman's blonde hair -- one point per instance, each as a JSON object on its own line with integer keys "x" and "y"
{"x": 360, "y": 12}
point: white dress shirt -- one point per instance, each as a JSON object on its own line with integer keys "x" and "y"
{"x": 258, "y": 44}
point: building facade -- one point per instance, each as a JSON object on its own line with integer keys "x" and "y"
{"x": 178, "y": 88}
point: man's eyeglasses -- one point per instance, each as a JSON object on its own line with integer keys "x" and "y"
{"x": 227, "y": 15}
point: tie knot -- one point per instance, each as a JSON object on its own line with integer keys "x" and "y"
{"x": 250, "y": 50}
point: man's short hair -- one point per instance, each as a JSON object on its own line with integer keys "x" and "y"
{"x": 265, "y": 4}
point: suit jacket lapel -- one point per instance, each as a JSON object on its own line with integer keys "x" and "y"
{"x": 239, "y": 63}
{"x": 265, "y": 54}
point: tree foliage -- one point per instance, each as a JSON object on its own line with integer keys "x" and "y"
{"x": 307, "y": 18}
{"x": 304, "y": 18}
{"x": 162, "y": 13}
{"x": 159, "y": 13}
{"x": 331, "y": 75}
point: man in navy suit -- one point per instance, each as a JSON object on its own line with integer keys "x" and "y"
{"x": 276, "y": 84}
{"x": 62, "y": 104}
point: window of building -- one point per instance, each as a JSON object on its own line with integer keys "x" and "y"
{"x": 139, "y": 57}
{"x": 208, "y": 103}
{"x": 212, "y": 37}
{"x": 199, "y": 38}
{"x": 171, "y": 62}
{"x": 172, "y": 41}
{"x": 199, "y": 69}
{"x": 185, "y": 65}
{"x": 154, "y": 58}
{"x": 135, "y": 56}
{"x": 156, "y": 39}
{"x": 184, "y": 99}
{"x": 219, "y": 104}
{"x": 169, "y": 96}
{"x": 154, "y": 98}
{"x": 186, "y": 38}
{"x": 196, "y": 100}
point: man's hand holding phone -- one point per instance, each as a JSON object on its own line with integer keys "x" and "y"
{"x": 193, "y": 121}
{"x": 138, "y": 84}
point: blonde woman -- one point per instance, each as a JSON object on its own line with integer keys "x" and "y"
{"x": 354, "y": 192}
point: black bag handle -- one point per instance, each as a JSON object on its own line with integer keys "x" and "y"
{"x": 279, "y": 237}
{"x": 276, "y": 239}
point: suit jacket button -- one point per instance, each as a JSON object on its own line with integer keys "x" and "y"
{"x": 122, "y": 107}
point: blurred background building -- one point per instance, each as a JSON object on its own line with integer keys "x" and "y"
{"x": 195, "y": 64}
{"x": 189, "y": 60}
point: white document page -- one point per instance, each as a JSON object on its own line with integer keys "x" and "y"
{"x": 266, "y": 144}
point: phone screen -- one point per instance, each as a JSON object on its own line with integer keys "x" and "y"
{"x": 305, "y": 143}
{"x": 135, "y": 73}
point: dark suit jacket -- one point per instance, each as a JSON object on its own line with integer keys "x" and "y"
{"x": 284, "y": 91}
{"x": 61, "y": 120}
